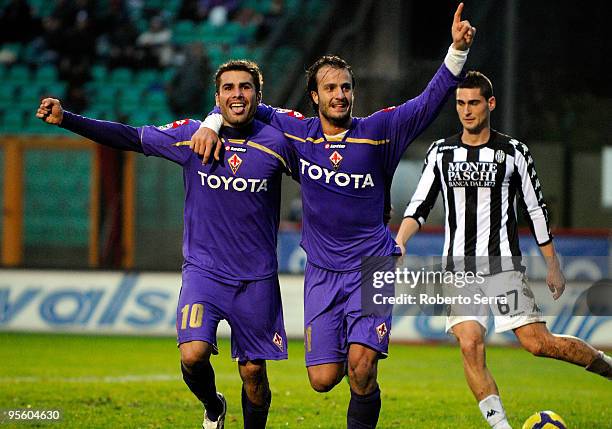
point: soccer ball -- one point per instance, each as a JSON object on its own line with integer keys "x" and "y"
{"x": 544, "y": 420}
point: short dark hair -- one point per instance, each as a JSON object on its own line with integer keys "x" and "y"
{"x": 332, "y": 61}
{"x": 250, "y": 67}
{"x": 475, "y": 79}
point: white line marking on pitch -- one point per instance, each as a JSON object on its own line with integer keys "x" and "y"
{"x": 93, "y": 379}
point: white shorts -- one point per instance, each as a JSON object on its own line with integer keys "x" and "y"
{"x": 518, "y": 310}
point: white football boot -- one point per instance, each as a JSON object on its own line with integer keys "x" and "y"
{"x": 220, "y": 422}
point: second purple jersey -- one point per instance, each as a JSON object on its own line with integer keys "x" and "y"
{"x": 346, "y": 181}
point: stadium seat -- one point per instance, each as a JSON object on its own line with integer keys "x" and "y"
{"x": 19, "y": 73}
{"x": 129, "y": 98}
{"x": 56, "y": 89}
{"x": 240, "y": 52}
{"x": 140, "y": 118}
{"x": 120, "y": 77}
{"x": 99, "y": 73}
{"x": 31, "y": 94}
{"x": 155, "y": 100}
{"x": 147, "y": 77}
{"x": 13, "y": 121}
{"x": 46, "y": 73}
{"x": 184, "y": 32}
{"x": 105, "y": 96}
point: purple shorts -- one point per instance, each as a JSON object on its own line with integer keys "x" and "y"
{"x": 333, "y": 317}
{"x": 253, "y": 310}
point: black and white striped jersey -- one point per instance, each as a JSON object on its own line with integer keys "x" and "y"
{"x": 479, "y": 185}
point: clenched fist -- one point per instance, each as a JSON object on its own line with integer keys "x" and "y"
{"x": 50, "y": 111}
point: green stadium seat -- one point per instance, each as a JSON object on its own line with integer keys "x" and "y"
{"x": 140, "y": 118}
{"x": 239, "y": 52}
{"x": 167, "y": 74}
{"x": 147, "y": 77}
{"x": 99, "y": 73}
{"x": 8, "y": 91}
{"x": 31, "y": 94}
{"x": 13, "y": 121}
{"x": 105, "y": 96}
{"x": 120, "y": 76}
{"x": 129, "y": 98}
{"x": 184, "y": 32}
{"x": 46, "y": 73}
{"x": 155, "y": 99}
{"x": 56, "y": 89}
{"x": 19, "y": 73}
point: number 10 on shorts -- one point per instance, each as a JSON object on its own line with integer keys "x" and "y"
{"x": 194, "y": 313}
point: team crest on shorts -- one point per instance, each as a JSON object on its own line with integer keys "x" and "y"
{"x": 234, "y": 162}
{"x": 278, "y": 340}
{"x": 381, "y": 331}
{"x": 335, "y": 159}
{"x": 500, "y": 156}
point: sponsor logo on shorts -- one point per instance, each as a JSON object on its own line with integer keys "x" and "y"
{"x": 234, "y": 162}
{"x": 278, "y": 340}
{"x": 381, "y": 331}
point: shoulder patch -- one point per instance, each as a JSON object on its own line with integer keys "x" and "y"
{"x": 291, "y": 113}
{"x": 174, "y": 124}
{"x": 388, "y": 109}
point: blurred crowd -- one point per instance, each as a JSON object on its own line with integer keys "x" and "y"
{"x": 75, "y": 35}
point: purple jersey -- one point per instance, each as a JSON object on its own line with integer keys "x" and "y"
{"x": 346, "y": 181}
{"x": 231, "y": 208}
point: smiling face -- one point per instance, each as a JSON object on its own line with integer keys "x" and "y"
{"x": 334, "y": 95}
{"x": 473, "y": 109}
{"x": 237, "y": 98}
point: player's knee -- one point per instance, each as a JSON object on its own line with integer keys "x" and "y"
{"x": 323, "y": 381}
{"x": 536, "y": 346}
{"x": 253, "y": 374}
{"x": 322, "y": 384}
{"x": 193, "y": 355}
{"x": 362, "y": 371}
{"x": 471, "y": 345}
{"x": 539, "y": 343}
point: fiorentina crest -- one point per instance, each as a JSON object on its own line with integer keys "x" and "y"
{"x": 381, "y": 331}
{"x": 234, "y": 162}
{"x": 278, "y": 340}
{"x": 335, "y": 159}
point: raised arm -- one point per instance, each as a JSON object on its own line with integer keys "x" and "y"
{"x": 113, "y": 134}
{"x": 407, "y": 121}
{"x": 168, "y": 141}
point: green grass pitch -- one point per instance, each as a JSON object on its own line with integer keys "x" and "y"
{"x": 132, "y": 382}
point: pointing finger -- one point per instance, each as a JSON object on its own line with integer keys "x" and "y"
{"x": 457, "y": 17}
